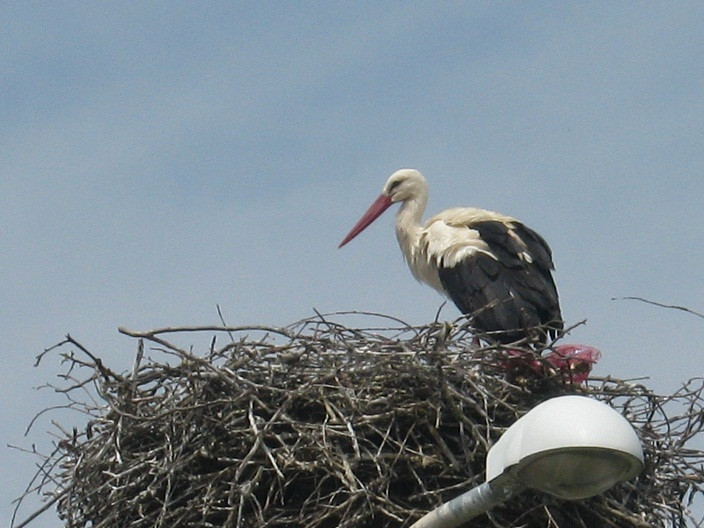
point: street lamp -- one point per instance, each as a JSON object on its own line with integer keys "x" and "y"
{"x": 572, "y": 447}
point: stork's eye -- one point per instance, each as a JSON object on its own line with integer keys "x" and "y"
{"x": 394, "y": 185}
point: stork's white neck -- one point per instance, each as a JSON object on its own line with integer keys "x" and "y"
{"x": 408, "y": 226}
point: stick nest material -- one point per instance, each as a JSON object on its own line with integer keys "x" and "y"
{"x": 318, "y": 425}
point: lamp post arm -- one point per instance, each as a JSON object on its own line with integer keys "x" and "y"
{"x": 469, "y": 505}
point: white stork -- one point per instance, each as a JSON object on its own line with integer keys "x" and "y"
{"x": 496, "y": 270}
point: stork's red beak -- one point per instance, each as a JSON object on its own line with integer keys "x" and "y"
{"x": 380, "y": 205}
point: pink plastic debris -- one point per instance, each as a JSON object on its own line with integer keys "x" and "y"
{"x": 573, "y": 362}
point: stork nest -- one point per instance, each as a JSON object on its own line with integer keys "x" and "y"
{"x": 319, "y": 425}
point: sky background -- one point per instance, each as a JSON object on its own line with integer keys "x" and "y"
{"x": 160, "y": 158}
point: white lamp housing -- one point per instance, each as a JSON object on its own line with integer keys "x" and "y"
{"x": 572, "y": 447}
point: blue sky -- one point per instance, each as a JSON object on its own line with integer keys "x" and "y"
{"x": 161, "y": 158}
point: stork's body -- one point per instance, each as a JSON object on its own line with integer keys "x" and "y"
{"x": 496, "y": 270}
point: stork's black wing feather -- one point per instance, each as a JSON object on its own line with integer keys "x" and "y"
{"x": 510, "y": 295}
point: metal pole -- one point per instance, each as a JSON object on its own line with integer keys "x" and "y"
{"x": 468, "y": 505}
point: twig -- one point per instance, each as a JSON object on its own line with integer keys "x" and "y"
{"x": 661, "y": 305}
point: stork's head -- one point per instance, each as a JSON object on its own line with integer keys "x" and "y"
{"x": 404, "y": 184}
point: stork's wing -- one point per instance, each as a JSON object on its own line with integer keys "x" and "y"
{"x": 508, "y": 288}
